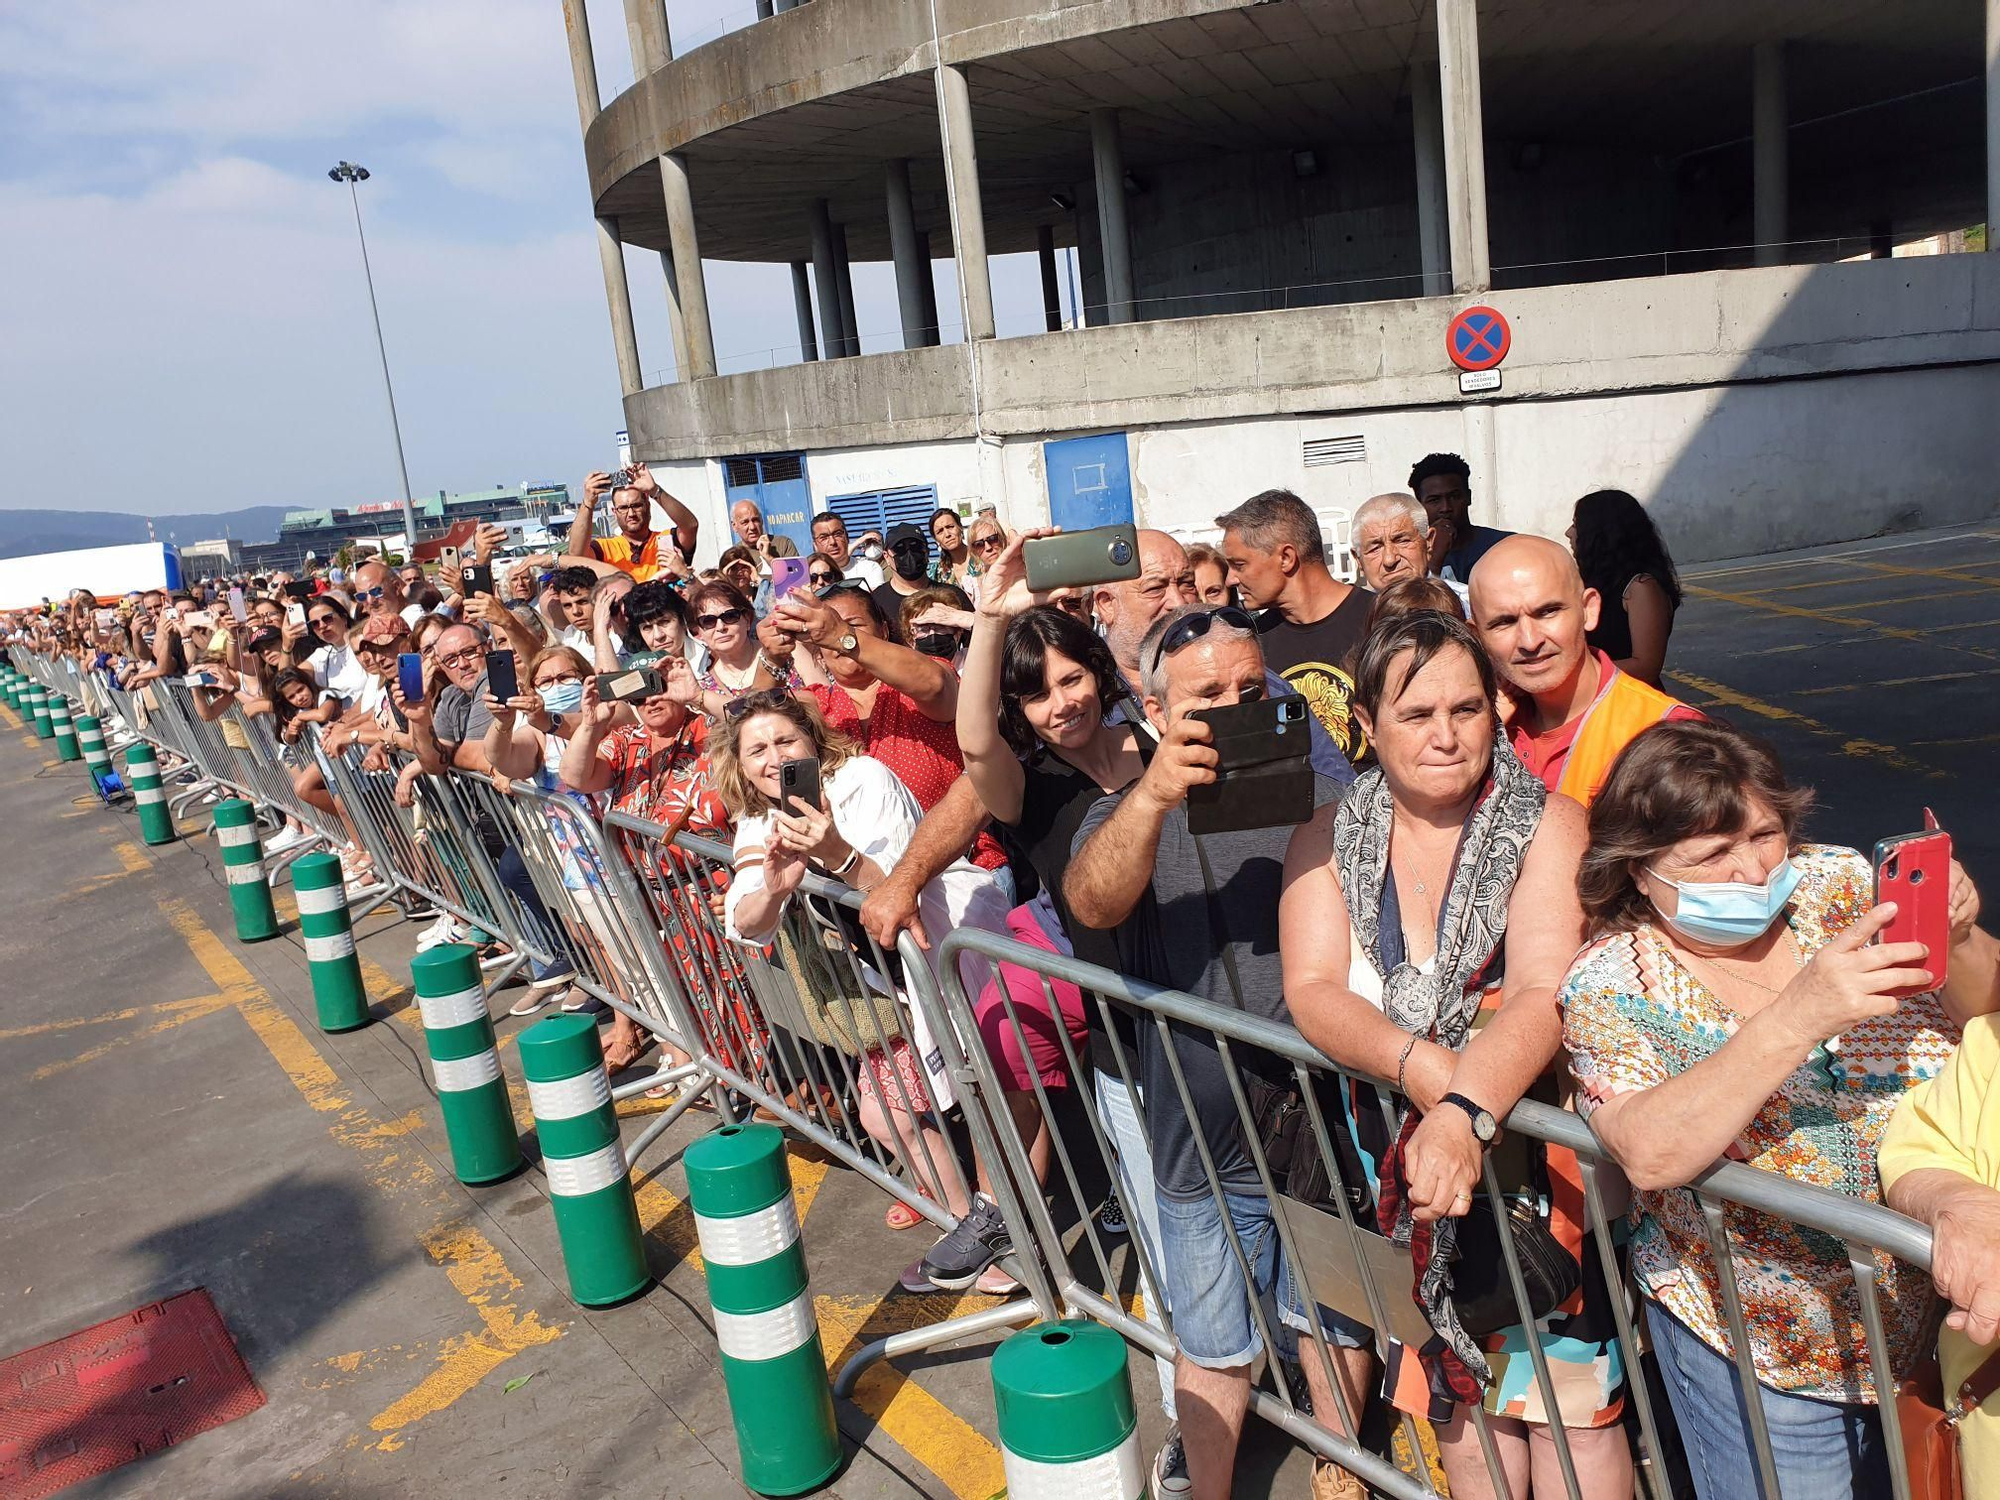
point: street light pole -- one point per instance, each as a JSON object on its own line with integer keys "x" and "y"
{"x": 352, "y": 173}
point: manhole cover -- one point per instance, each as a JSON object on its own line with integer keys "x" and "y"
{"x": 118, "y": 1390}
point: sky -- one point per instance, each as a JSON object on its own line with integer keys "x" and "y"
{"x": 183, "y": 320}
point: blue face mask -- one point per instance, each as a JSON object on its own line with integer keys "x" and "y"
{"x": 562, "y": 697}
{"x": 1729, "y": 914}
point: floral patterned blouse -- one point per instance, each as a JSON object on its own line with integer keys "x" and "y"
{"x": 662, "y": 781}
{"x": 1634, "y": 1016}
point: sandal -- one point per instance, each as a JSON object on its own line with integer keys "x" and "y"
{"x": 901, "y": 1216}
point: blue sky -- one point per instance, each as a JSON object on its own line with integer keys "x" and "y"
{"x": 186, "y": 326}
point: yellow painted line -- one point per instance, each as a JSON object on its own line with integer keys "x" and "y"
{"x": 132, "y": 860}
{"x": 668, "y": 1220}
{"x": 130, "y": 1013}
{"x": 1890, "y": 682}
{"x": 182, "y": 1012}
{"x": 1860, "y": 749}
{"x": 1791, "y": 611}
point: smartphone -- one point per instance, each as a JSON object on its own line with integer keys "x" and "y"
{"x": 798, "y": 781}
{"x": 633, "y": 685}
{"x": 1914, "y": 871}
{"x": 1103, "y": 554}
{"x": 787, "y": 573}
{"x": 1264, "y": 774}
{"x": 501, "y": 681}
{"x": 447, "y": 555}
{"x": 202, "y": 680}
{"x": 478, "y": 579}
{"x": 200, "y": 619}
{"x": 295, "y": 614}
{"x": 237, "y": 608}
{"x": 298, "y": 590}
{"x": 410, "y": 675}
{"x": 107, "y": 618}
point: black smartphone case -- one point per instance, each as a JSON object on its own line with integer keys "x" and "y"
{"x": 1265, "y": 778}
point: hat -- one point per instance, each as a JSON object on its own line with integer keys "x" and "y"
{"x": 905, "y": 532}
{"x": 383, "y": 628}
{"x": 645, "y": 658}
{"x": 336, "y": 575}
{"x": 265, "y": 639}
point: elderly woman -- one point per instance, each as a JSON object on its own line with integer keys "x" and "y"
{"x": 1392, "y": 542}
{"x": 1732, "y": 1005}
{"x": 1425, "y": 926}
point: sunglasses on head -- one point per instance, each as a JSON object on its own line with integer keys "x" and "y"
{"x": 844, "y": 586}
{"x": 1194, "y": 627}
{"x": 764, "y": 701}
{"x": 726, "y": 617}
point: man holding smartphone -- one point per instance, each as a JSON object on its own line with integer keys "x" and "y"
{"x": 636, "y": 549}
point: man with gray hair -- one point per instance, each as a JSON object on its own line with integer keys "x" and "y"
{"x": 1312, "y": 623}
{"x": 1202, "y": 917}
{"x": 1392, "y": 541}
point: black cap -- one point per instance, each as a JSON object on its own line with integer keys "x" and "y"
{"x": 905, "y": 532}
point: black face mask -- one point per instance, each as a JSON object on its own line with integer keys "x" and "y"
{"x": 910, "y": 562}
{"x": 942, "y": 644}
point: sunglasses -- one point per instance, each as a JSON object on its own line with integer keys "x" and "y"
{"x": 844, "y": 586}
{"x": 368, "y": 596}
{"x": 727, "y": 617}
{"x": 816, "y": 579}
{"x": 1193, "y": 627}
{"x": 328, "y": 620}
{"x": 983, "y": 542}
{"x": 764, "y": 701}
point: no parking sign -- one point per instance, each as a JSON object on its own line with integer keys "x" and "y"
{"x": 1478, "y": 339}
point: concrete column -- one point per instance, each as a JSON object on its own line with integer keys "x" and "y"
{"x": 912, "y": 270}
{"x": 843, "y": 284}
{"x": 961, "y": 190}
{"x": 1770, "y": 130}
{"x": 617, "y": 295}
{"x": 675, "y": 326}
{"x": 802, "y": 304}
{"x": 1107, "y": 155}
{"x": 1993, "y": 124}
{"x": 1464, "y": 125}
{"x": 646, "y": 29}
{"x": 831, "y": 339}
{"x": 929, "y": 284}
{"x": 1433, "y": 226}
{"x": 1045, "y": 252}
{"x": 687, "y": 269}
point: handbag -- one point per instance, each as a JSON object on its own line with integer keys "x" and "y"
{"x": 1930, "y": 1430}
{"x": 1480, "y": 1289}
{"x": 837, "y": 1013}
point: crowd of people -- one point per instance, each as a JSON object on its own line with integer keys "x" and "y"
{"x": 1528, "y": 872}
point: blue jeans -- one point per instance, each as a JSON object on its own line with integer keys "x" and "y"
{"x": 1822, "y": 1450}
{"x": 514, "y": 875}
{"x": 1142, "y": 1216}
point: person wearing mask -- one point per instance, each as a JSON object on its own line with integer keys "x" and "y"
{"x": 637, "y": 549}
{"x": 1624, "y": 562}
{"x": 1568, "y": 709}
{"x": 1443, "y": 482}
{"x": 1211, "y": 575}
{"x": 1311, "y": 622}
{"x": 829, "y": 534}
{"x": 909, "y": 563}
{"x": 1400, "y": 962}
{"x": 955, "y": 563}
{"x": 1392, "y": 542}
{"x": 1134, "y": 862}
{"x": 1732, "y": 1004}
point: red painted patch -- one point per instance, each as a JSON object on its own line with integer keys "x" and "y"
{"x": 118, "y": 1390}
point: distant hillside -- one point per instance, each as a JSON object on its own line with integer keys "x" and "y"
{"x": 24, "y": 532}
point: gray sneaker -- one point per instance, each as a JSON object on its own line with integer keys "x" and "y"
{"x": 1170, "y": 1470}
{"x": 975, "y": 1242}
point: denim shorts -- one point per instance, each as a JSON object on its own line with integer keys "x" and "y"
{"x": 1212, "y": 1317}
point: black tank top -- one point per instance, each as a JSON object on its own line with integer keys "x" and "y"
{"x": 1613, "y": 634}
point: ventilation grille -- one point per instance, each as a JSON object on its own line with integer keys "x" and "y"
{"x": 1336, "y": 450}
{"x": 740, "y": 472}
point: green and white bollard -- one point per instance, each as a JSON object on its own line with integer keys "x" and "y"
{"x": 1063, "y": 1399}
{"x": 156, "y": 824}
{"x": 590, "y": 1183}
{"x": 471, "y": 1090}
{"x": 38, "y": 705}
{"x": 65, "y": 734}
{"x": 243, "y": 865}
{"x": 90, "y": 739}
{"x": 10, "y": 687}
{"x": 339, "y": 996}
{"x": 773, "y": 1368}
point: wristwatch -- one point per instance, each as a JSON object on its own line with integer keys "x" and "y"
{"x": 848, "y": 644}
{"x": 1484, "y": 1127}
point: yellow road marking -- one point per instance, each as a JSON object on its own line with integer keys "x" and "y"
{"x": 181, "y": 1012}
{"x": 1889, "y": 682}
{"x": 1861, "y": 749}
{"x": 157, "y": 1007}
{"x": 131, "y": 858}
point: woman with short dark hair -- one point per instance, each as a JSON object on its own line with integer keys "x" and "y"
{"x": 1731, "y": 1005}
{"x": 1620, "y": 554}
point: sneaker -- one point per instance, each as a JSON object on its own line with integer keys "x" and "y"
{"x": 1331, "y": 1482}
{"x": 995, "y": 1282}
{"x": 285, "y": 838}
{"x": 955, "y": 1261}
{"x": 913, "y": 1278}
{"x": 1111, "y": 1217}
{"x": 1170, "y": 1471}
{"x": 539, "y": 993}
{"x": 580, "y": 1002}
{"x": 444, "y": 930}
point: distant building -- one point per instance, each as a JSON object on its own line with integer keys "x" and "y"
{"x": 325, "y": 532}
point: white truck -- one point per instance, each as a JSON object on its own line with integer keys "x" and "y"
{"x": 107, "y": 572}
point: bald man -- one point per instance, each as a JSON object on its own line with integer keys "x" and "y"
{"x": 1572, "y": 710}
{"x": 746, "y": 519}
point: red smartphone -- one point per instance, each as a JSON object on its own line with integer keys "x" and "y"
{"x": 1914, "y": 871}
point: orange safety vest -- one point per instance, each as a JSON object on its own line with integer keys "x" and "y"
{"x": 1624, "y": 706}
{"x": 643, "y": 565}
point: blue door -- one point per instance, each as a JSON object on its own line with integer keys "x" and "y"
{"x": 1090, "y": 481}
{"x": 777, "y": 482}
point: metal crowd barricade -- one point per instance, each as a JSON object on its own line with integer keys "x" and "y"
{"x": 1341, "y": 1262}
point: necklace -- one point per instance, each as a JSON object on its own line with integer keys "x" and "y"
{"x": 1785, "y": 940}
{"x": 742, "y": 681}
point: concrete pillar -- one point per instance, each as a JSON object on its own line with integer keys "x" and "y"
{"x": 1107, "y": 155}
{"x": 802, "y": 305}
{"x": 617, "y": 295}
{"x": 843, "y": 286}
{"x": 646, "y": 29}
{"x": 1770, "y": 130}
{"x": 820, "y": 226}
{"x": 912, "y": 270}
{"x": 961, "y": 191}
{"x": 1993, "y": 124}
{"x": 1433, "y": 226}
{"x": 929, "y": 283}
{"x": 676, "y": 327}
{"x": 1463, "y": 120}
{"x": 687, "y": 269}
{"x": 1045, "y": 252}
